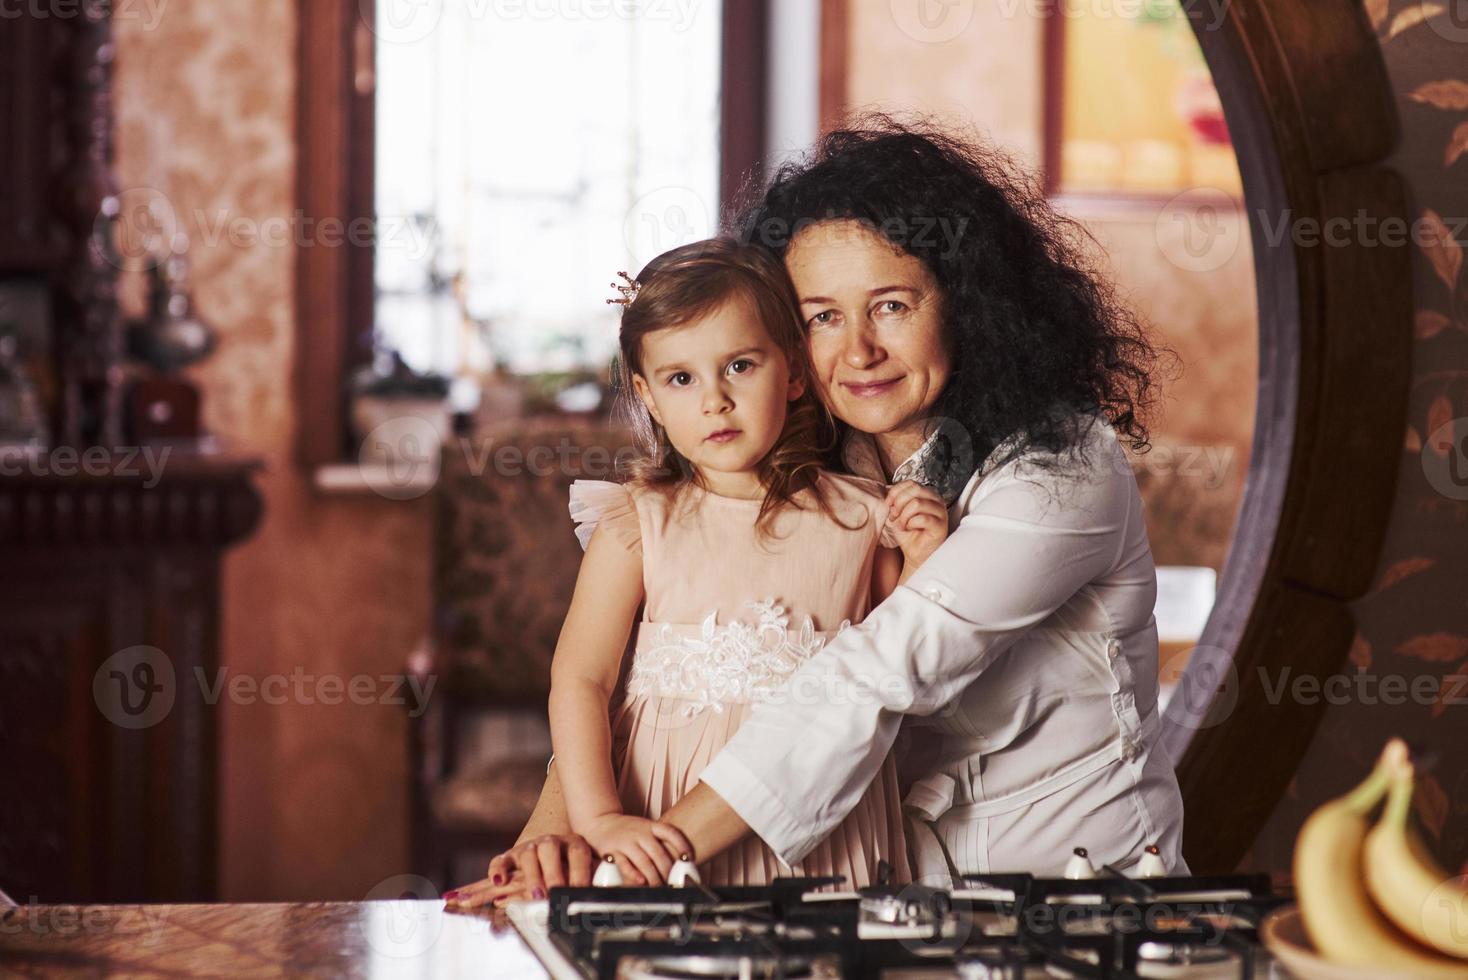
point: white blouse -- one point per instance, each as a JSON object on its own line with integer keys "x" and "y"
{"x": 1023, "y": 658}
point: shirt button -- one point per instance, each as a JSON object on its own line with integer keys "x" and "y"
{"x": 934, "y": 593}
{"x": 1129, "y": 750}
{"x": 1113, "y": 649}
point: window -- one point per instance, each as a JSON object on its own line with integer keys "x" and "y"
{"x": 1154, "y": 128}
{"x": 521, "y": 162}
{"x": 523, "y": 154}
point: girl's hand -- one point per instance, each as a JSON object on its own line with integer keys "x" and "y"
{"x": 919, "y": 521}
{"x": 649, "y": 846}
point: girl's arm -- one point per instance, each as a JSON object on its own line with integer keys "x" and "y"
{"x": 549, "y": 815}
{"x": 584, "y": 674}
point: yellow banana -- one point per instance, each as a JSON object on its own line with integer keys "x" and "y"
{"x": 1339, "y": 915}
{"x": 1407, "y": 884}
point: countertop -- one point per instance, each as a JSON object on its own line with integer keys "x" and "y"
{"x": 384, "y": 939}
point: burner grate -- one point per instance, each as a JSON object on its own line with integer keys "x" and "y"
{"x": 997, "y": 925}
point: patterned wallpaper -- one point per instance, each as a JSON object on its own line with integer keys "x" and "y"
{"x": 1413, "y": 624}
{"x": 313, "y": 794}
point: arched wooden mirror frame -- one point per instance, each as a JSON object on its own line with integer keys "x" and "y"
{"x": 1311, "y": 110}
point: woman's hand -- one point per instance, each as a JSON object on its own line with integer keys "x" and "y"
{"x": 529, "y": 870}
{"x": 650, "y": 847}
{"x": 918, "y": 518}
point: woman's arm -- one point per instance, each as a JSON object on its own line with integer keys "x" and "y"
{"x": 584, "y": 674}
{"x": 549, "y": 815}
{"x": 710, "y": 824}
{"x": 796, "y": 767}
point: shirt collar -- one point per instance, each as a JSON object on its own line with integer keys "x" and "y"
{"x": 944, "y": 461}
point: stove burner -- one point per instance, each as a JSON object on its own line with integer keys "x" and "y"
{"x": 730, "y": 967}
{"x": 722, "y": 927}
{"x": 1010, "y": 926}
{"x": 1164, "y": 959}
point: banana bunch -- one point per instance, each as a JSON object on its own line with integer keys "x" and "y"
{"x": 1370, "y": 895}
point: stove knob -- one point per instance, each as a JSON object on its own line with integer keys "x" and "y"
{"x": 1151, "y": 865}
{"x": 684, "y": 872}
{"x": 1079, "y": 865}
{"x": 608, "y": 875}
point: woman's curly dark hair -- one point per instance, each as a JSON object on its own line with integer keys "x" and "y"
{"x": 1037, "y": 336}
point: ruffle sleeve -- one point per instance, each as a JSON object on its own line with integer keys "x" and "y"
{"x": 598, "y": 502}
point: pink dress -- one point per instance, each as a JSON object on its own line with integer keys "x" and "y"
{"x": 729, "y": 615}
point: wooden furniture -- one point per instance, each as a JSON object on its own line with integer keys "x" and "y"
{"x": 108, "y": 782}
{"x": 109, "y": 591}
{"x": 505, "y": 563}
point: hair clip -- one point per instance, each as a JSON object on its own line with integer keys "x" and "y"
{"x": 629, "y": 291}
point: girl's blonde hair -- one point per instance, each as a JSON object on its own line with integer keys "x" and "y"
{"x": 686, "y": 284}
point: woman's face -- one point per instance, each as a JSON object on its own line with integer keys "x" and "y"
{"x": 873, "y": 317}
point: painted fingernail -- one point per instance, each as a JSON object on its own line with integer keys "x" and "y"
{"x": 497, "y": 879}
{"x": 451, "y": 893}
{"x": 539, "y": 893}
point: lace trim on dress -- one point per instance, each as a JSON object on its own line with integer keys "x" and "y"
{"x": 737, "y": 662}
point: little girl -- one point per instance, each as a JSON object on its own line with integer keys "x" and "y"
{"x": 745, "y": 555}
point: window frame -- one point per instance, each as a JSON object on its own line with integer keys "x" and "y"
{"x": 336, "y": 180}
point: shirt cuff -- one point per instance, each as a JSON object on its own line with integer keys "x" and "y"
{"x": 758, "y": 806}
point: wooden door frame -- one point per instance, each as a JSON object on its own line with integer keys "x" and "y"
{"x": 1311, "y": 110}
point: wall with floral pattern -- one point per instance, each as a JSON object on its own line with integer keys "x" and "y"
{"x": 1413, "y": 624}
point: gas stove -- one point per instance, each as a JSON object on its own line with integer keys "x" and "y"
{"x": 996, "y": 926}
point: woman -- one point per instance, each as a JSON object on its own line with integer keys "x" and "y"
{"x": 966, "y": 345}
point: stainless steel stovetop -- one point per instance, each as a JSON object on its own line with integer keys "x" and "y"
{"x": 1009, "y": 926}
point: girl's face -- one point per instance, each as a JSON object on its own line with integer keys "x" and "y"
{"x": 872, "y": 314}
{"x": 720, "y": 388}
